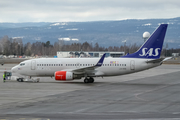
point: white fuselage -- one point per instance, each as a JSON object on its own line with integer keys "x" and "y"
{"x": 147, "y": 56}
{"x": 111, "y": 66}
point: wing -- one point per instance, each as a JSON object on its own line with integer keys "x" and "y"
{"x": 90, "y": 69}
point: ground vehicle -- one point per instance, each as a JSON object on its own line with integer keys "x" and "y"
{"x": 8, "y": 76}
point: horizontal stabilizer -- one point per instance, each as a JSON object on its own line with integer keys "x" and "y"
{"x": 156, "y": 60}
{"x": 168, "y": 58}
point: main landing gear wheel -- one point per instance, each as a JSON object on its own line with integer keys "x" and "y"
{"x": 20, "y": 80}
{"x": 86, "y": 80}
{"x": 89, "y": 80}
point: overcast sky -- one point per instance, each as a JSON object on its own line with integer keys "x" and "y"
{"x": 86, "y": 10}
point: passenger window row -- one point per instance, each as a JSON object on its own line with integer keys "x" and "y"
{"x": 49, "y": 64}
{"x": 94, "y": 64}
{"x": 80, "y": 64}
{"x": 114, "y": 64}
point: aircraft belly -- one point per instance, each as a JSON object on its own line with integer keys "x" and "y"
{"x": 43, "y": 72}
{"x": 114, "y": 71}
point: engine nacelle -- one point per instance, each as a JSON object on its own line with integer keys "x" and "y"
{"x": 63, "y": 75}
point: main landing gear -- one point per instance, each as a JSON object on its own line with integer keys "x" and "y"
{"x": 89, "y": 80}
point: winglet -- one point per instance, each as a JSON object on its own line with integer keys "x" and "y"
{"x": 100, "y": 62}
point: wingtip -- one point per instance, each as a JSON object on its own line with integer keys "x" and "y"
{"x": 100, "y": 62}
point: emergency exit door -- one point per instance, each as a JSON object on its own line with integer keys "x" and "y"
{"x": 132, "y": 65}
{"x": 33, "y": 65}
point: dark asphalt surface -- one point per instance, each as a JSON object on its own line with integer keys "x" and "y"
{"x": 153, "y": 98}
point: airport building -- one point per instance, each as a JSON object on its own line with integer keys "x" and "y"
{"x": 73, "y": 54}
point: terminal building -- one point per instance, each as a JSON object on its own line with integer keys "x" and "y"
{"x": 76, "y": 54}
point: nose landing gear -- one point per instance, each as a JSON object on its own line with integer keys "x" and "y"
{"x": 89, "y": 80}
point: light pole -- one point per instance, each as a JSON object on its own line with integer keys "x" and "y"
{"x": 2, "y": 47}
{"x": 20, "y": 48}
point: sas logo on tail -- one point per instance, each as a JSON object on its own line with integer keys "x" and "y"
{"x": 150, "y": 52}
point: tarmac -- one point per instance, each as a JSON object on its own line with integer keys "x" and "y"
{"x": 153, "y": 94}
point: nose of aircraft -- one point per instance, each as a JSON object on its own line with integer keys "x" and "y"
{"x": 14, "y": 69}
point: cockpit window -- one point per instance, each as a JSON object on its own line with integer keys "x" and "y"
{"x": 22, "y": 64}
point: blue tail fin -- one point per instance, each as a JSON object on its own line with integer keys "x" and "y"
{"x": 152, "y": 47}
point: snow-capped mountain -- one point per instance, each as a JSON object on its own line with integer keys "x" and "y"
{"x": 105, "y": 33}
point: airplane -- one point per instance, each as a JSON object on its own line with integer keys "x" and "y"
{"x": 65, "y": 69}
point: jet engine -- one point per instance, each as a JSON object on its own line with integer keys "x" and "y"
{"x": 63, "y": 75}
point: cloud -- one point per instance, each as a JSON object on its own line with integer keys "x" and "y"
{"x": 87, "y": 10}
{"x": 72, "y": 29}
{"x": 68, "y": 39}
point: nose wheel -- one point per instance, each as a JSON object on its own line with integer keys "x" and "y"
{"x": 89, "y": 80}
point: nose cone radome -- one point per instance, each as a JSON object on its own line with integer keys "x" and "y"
{"x": 14, "y": 69}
